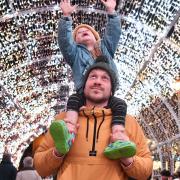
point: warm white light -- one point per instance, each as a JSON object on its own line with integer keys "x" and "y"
{"x": 176, "y": 85}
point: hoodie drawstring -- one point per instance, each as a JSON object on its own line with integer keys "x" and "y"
{"x": 100, "y": 125}
{"x": 95, "y": 136}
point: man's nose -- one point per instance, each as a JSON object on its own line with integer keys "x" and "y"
{"x": 98, "y": 80}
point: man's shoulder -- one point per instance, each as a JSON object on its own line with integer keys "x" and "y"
{"x": 60, "y": 115}
{"x": 131, "y": 119}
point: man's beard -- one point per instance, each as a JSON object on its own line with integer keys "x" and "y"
{"x": 96, "y": 100}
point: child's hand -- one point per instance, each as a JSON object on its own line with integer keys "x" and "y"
{"x": 67, "y": 8}
{"x": 110, "y": 5}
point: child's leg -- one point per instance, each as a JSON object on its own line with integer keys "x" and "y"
{"x": 119, "y": 148}
{"x": 63, "y": 131}
{"x": 119, "y": 110}
{"x": 74, "y": 103}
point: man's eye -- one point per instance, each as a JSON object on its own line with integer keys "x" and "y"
{"x": 93, "y": 77}
{"x": 105, "y": 78}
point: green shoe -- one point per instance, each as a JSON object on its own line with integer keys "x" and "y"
{"x": 120, "y": 149}
{"x": 61, "y": 136}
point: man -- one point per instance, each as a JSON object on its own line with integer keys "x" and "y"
{"x": 86, "y": 159}
{"x": 7, "y": 170}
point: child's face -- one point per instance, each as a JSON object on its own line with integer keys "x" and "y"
{"x": 84, "y": 36}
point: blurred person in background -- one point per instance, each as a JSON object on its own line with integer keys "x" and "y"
{"x": 7, "y": 169}
{"x": 28, "y": 172}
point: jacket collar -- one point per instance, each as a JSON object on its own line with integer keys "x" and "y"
{"x": 98, "y": 112}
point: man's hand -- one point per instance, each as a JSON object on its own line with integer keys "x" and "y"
{"x": 118, "y": 133}
{"x": 110, "y": 5}
{"x": 72, "y": 128}
{"x": 67, "y": 8}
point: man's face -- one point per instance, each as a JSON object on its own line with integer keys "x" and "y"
{"x": 97, "y": 88}
{"x": 84, "y": 36}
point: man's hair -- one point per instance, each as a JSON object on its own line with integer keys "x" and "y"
{"x": 165, "y": 173}
{"x": 102, "y": 62}
{"x": 6, "y": 157}
{"x": 28, "y": 161}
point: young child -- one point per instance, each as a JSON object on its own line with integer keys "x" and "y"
{"x": 80, "y": 49}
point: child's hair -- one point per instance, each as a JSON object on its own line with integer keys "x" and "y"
{"x": 96, "y": 34}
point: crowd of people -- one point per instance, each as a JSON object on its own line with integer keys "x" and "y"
{"x": 32, "y": 64}
{"x": 10, "y": 172}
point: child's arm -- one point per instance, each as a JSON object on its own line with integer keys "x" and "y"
{"x": 66, "y": 42}
{"x": 113, "y": 28}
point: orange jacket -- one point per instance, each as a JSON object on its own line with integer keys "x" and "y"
{"x": 93, "y": 135}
